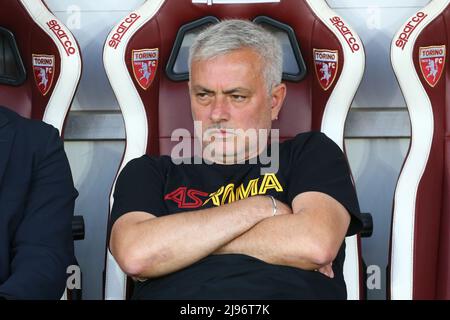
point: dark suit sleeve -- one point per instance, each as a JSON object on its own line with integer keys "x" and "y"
{"x": 42, "y": 247}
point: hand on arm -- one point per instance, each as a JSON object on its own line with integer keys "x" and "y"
{"x": 307, "y": 239}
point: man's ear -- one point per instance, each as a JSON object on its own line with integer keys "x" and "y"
{"x": 278, "y": 96}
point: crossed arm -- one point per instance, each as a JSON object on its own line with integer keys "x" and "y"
{"x": 307, "y": 237}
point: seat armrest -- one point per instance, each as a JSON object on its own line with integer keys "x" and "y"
{"x": 78, "y": 228}
{"x": 367, "y": 229}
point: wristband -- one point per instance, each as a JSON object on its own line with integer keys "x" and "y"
{"x": 274, "y": 205}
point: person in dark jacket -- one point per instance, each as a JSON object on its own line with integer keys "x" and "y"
{"x": 37, "y": 199}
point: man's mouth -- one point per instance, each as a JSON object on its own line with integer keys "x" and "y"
{"x": 221, "y": 133}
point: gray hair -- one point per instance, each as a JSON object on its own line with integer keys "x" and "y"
{"x": 230, "y": 35}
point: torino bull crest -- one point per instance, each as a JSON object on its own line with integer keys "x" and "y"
{"x": 432, "y": 62}
{"x": 145, "y": 64}
{"x": 326, "y": 65}
{"x": 43, "y": 69}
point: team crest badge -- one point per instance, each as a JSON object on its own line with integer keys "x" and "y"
{"x": 432, "y": 62}
{"x": 145, "y": 63}
{"x": 43, "y": 70}
{"x": 326, "y": 65}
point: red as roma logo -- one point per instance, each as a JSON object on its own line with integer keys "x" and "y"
{"x": 43, "y": 70}
{"x": 432, "y": 62}
{"x": 326, "y": 65}
{"x": 145, "y": 63}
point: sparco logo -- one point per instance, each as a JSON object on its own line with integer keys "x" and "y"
{"x": 409, "y": 28}
{"x": 58, "y": 30}
{"x": 122, "y": 29}
{"x": 346, "y": 33}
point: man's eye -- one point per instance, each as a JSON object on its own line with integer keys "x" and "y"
{"x": 202, "y": 95}
{"x": 238, "y": 98}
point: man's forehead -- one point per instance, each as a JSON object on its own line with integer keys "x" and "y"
{"x": 242, "y": 51}
{"x": 245, "y": 56}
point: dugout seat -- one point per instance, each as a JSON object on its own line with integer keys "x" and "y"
{"x": 324, "y": 64}
{"x": 419, "y": 262}
{"x": 40, "y": 67}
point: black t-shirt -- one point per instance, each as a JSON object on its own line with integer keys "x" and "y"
{"x": 309, "y": 162}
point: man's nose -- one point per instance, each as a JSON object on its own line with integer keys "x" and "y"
{"x": 219, "y": 109}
